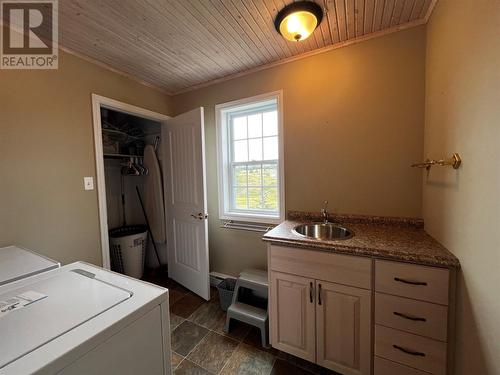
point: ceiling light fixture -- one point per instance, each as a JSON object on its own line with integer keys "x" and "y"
{"x": 298, "y": 20}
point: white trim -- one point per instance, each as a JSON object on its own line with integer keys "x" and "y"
{"x": 222, "y": 176}
{"x": 217, "y": 277}
{"x": 222, "y": 276}
{"x": 99, "y": 102}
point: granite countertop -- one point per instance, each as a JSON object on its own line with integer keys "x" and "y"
{"x": 400, "y": 239}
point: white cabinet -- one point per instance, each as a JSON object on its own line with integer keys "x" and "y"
{"x": 343, "y": 325}
{"x": 315, "y": 314}
{"x": 292, "y": 315}
{"x": 320, "y": 309}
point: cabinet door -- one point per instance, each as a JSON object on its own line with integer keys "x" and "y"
{"x": 343, "y": 323}
{"x": 291, "y": 302}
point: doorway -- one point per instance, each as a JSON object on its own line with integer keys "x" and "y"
{"x": 179, "y": 144}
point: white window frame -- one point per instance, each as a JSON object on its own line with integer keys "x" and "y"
{"x": 223, "y": 160}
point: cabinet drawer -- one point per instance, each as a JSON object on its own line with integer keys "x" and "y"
{"x": 422, "y": 318}
{"x": 340, "y": 269}
{"x": 411, "y": 350}
{"x": 385, "y": 367}
{"x": 412, "y": 281}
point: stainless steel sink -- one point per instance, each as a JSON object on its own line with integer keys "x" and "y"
{"x": 322, "y": 231}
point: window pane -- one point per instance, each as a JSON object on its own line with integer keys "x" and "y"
{"x": 240, "y": 150}
{"x": 271, "y": 198}
{"x": 240, "y": 127}
{"x": 270, "y": 123}
{"x": 240, "y": 175}
{"x": 271, "y": 148}
{"x": 255, "y": 149}
{"x": 270, "y": 175}
{"x": 249, "y": 141}
{"x": 255, "y": 198}
{"x": 240, "y": 198}
{"x": 255, "y": 126}
{"x": 254, "y": 175}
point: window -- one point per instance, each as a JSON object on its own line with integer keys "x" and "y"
{"x": 250, "y": 162}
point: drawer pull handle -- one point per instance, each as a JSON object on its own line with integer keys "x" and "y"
{"x": 408, "y": 351}
{"x": 414, "y": 318}
{"x": 410, "y": 282}
{"x": 311, "y": 292}
{"x": 319, "y": 294}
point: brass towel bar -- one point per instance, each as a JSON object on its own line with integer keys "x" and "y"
{"x": 454, "y": 162}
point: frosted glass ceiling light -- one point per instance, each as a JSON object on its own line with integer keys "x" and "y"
{"x": 298, "y": 20}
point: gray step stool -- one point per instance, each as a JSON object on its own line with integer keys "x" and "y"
{"x": 255, "y": 280}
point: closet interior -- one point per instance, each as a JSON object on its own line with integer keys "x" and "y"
{"x": 134, "y": 191}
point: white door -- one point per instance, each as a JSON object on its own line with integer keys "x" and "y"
{"x": 183, "y": 142}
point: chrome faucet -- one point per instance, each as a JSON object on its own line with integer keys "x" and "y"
{"x": 324, "y": 212}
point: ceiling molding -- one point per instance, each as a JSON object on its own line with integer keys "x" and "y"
{"x": 177, "y": 46}
{"x": 430, "y": 10}
{"x": 304, "y": 55}
{"x": 114, "y": 70}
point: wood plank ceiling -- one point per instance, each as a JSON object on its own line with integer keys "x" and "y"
{"x": 177, "y": 45}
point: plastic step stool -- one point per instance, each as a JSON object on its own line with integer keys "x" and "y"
{"x": 254, "y": 280}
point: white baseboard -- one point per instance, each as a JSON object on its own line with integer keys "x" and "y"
{"x": 217, "y": 277}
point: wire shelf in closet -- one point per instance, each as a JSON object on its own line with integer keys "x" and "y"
{"x": 120, "y": 135}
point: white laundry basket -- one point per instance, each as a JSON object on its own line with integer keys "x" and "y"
{"x": 128, "y": 249}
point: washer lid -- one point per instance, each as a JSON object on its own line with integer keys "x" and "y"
{"x": 58, "y": 304}
{"x": 17, "y": 263}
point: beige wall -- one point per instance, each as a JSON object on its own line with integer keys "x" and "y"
{"x": 47, "y": 147}
{"x": 462, "y": 208}
{"x": 353, "y": 123}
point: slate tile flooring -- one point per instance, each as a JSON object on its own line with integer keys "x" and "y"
{"x": 200, "y": 345}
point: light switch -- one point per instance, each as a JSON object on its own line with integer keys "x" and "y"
{"x": 88, "y": 183}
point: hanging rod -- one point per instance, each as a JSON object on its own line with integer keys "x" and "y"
{"x": 454, "y": 162}
{"x": 248, "y": 227}
{"x": 121, "y": 156}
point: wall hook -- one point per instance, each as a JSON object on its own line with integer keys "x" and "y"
{"x": 455, "y": 161}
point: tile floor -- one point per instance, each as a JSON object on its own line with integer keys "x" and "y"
{"x": 200, "y": 345}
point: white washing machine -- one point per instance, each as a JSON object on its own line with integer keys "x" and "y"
{"x": 82, "y": 319}
{"x": 17, "y": 263}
